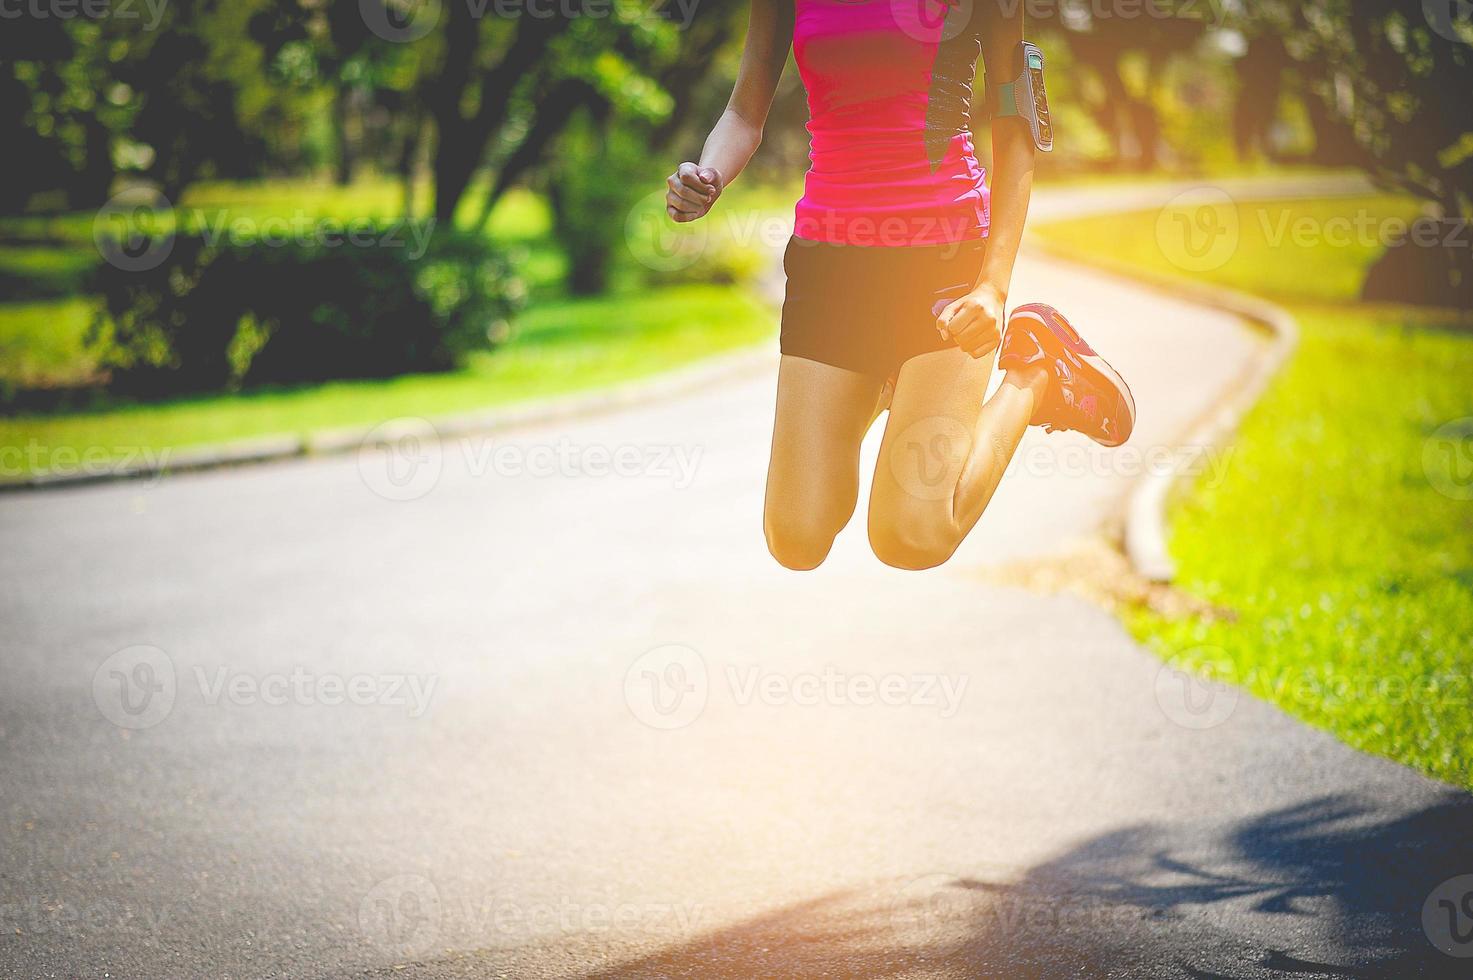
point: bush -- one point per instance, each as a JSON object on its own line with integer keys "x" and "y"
{"x": 216, "y": 317}
{"x": 722, "y": 262}
{"x": 601, "y": 170}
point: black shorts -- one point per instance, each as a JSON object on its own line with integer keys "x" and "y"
{"x": 871, "y": 309}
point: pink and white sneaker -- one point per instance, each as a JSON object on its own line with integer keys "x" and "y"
{"x": 1085, "y": 394}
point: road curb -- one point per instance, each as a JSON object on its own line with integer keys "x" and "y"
{"x": 330, "y": 442}
{"x": 1145, "y": 510}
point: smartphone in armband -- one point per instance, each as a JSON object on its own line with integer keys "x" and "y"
{"x": 1027, "y": 97}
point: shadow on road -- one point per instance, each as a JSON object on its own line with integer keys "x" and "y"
{"x": 1321, "y": 889}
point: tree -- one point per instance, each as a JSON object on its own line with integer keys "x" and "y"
{"x": 1393, "y": 79}
{"x": 1107, "y": 46}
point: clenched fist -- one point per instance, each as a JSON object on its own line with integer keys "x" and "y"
{"x": 975, "y": 321}
{"x": 692, "y": 192}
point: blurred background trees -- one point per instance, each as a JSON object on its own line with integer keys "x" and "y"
{"x": 589, "y": 103}
{"x": 257, "y": 88}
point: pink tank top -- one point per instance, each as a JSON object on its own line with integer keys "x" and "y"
{"x": 889, "y": 99}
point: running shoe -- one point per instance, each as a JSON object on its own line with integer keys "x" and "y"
{"x": 1085, "y": 394}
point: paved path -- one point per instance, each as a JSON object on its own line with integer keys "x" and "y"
{"x": 574, "y": 798}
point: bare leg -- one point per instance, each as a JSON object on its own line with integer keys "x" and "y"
{"x": 944, "y": 453}
{"x": 823, "y": 413}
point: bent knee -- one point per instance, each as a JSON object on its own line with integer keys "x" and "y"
{"x": 912, "y": 545}
{"x": 800, "y": 542}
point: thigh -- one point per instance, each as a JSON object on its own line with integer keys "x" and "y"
{"x": 927, "y": 449}
{"x": 823, "y": 412}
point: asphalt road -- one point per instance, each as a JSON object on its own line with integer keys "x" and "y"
{"x": 553, "y": 712}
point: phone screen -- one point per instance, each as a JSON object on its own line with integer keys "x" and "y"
{"x": 1040, "y": 97}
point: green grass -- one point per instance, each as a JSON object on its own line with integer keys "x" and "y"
{"x": 42, "y": 341}
{"x": 1348, "y": 571}
{"x": 560, "y": 346}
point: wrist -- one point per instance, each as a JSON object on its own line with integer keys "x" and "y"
{"x": 990, "y": 288}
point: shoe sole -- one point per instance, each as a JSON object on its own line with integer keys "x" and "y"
{"x": 1087, "y": 355}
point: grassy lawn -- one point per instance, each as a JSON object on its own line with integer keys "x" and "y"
{"x": 1337, "y": 541}
{"x": 559, "y": 344}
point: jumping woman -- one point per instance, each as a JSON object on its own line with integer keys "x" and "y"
{"x": 898, "y": 271}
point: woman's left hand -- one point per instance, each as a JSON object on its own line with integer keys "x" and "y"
{"x": 975, "y": 321}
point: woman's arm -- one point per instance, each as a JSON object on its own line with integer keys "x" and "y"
{"x": 694, "y": 187}
{"x": 976, "y": 320}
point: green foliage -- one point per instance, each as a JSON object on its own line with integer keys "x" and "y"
{"x": 601, "y": 172}
{"x": 219, "y": 316}
{"x": 556, "y": 347}
{"x": 43, "y": 344}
